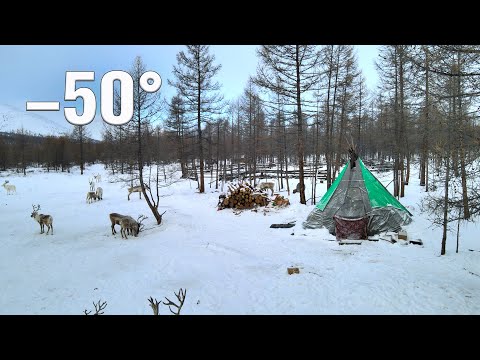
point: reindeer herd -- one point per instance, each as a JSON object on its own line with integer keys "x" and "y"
{"x": 128, "y": 225}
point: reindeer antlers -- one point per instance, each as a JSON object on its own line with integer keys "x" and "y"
{"x": 154, "y": 305}
{"x": 99, "y": 307}
{"x": 181, "y": 298}
{"x": 36, "y": 208}
{"x": 140, "y": 220}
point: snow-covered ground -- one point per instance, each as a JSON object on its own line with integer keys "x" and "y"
{"x": 229, "y": 263}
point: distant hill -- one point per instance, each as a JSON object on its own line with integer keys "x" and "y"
{"x": 42, "y": 123}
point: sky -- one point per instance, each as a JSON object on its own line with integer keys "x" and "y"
{"x": 229, "y": 262}
{"x": 37, "y": 72}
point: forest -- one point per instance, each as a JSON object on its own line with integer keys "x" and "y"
{"x": 300, "y": 112}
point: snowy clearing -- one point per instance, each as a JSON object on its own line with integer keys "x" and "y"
{"x": 229, "y": 264}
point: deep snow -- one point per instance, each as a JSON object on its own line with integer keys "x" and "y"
{"x": 229, "y": 264}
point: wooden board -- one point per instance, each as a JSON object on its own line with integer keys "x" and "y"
{"x": 416, "y": 242}
{"x": 281, "y": 226}
{"x": 350, "y": 242}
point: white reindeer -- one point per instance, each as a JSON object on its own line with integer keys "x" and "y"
{"x": 99, "y": 193}
{"x": 266, "y": 185}
{"x": 10, "y": 188}
{"x": 98, "y": 178}
{"x": 137, "y": 189}
{"x": 92, "y": 184}
{"x": 91, "y": 196}
{"x": 42, "y": 220}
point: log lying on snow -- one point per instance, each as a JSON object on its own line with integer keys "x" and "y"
{"x": 281, "y": 226}
{"x": 242, "y": 196}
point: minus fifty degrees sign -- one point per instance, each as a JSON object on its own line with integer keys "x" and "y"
{"x": 43, "y": 106}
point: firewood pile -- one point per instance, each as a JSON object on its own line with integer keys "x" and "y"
{"x": 281, "y": 201}
{"x": 242, "y": 196}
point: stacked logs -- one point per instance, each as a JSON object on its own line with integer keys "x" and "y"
{"x": 243, "y": 196}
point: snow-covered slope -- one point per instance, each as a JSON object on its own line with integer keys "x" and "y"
{"x": 42, "y": 123}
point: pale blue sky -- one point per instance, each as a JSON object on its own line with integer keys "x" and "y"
{"x": 37, "y": 72}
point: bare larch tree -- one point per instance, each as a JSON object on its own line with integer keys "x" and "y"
{"x": 289, "y": 70}
{"x": 194, "y": 74}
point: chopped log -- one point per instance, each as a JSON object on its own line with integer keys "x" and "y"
{"x": 293, "y": 270}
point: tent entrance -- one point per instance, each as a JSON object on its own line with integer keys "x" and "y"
{"x": 350, "y": 228}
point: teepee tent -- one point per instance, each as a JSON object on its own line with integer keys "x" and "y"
{"x": 357, "y": 205}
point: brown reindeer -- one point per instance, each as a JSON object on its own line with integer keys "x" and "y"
{"x": 91, "y": 196}
{"x": 138, "y": 189}
{"x": 115, "y": 220}
{"x": 130, "y": 226}
{"x": 42, "y": 220}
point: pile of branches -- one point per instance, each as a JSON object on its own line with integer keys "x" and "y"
{"x": 242, "y": 196}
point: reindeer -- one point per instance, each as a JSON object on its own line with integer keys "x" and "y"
{"x": 137, "y": 189}
{"x": 99, "y": 193}
{"x": 91, "y": 196}
{"x": 92, "y": 184}
{"x": 10, "y": 188}
{"x": 128, "y": 226}
{"x": 266, "y": 185}
{"x": 98, "y": 178}
{"x": 42, "y": 219}
{"x": 115, "y": 220}
{"x": 297, "y": 189}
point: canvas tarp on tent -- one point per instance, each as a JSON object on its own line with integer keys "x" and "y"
{"x": 357, "y": 194}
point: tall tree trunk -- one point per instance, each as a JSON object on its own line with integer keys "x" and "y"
{"x": 285, "y": 155}
{"x": 199, "y": 129}
{"x": 218, "y": 155}
{"x": 332, "y": 118}
{"x": 403, "y": 142}
{"x": 461, "y": 129}
{"x": 327, "y": 130}
{"x": 255, "y": 144}
{"x": 424, "y": 157}
{"x": 445, "y": 202}
{"x": 340, "y": 133}
{"x": 317, "y": 157}
{"x": 154, "y": 209}
{"x": 300, "y": 131}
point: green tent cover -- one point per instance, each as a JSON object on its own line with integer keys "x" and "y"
{"x": 378, "y": 195}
